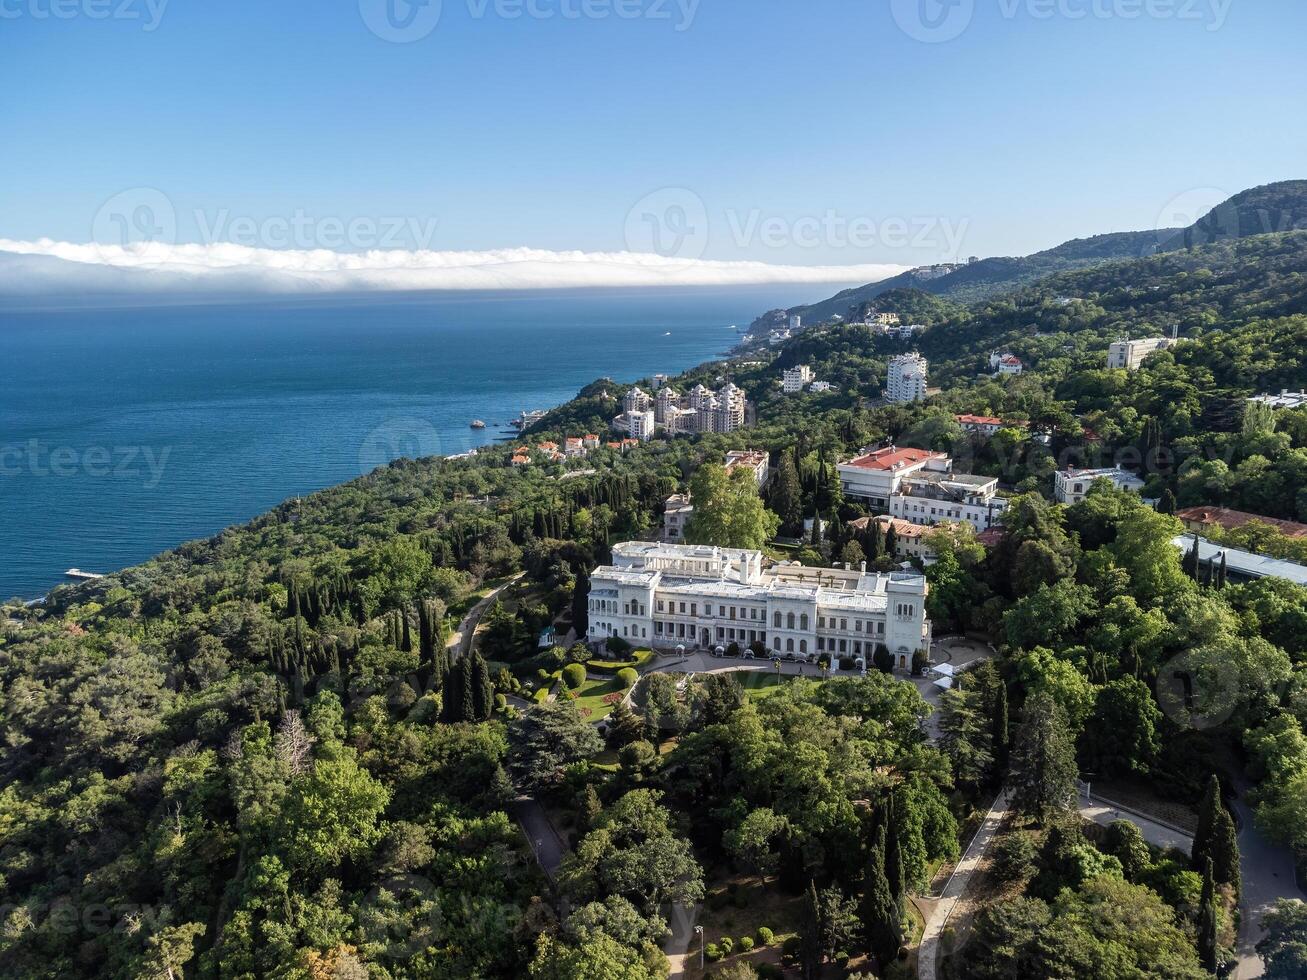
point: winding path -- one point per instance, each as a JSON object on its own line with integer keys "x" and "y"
{"x": 1268, "y": 874}
{"x": 461, "y": 638}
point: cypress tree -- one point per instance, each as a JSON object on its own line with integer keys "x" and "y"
{"x": 810, "y": 935}
{"x": 891, "y": 542}
{"x": 815, "y": 540}
{"x": 1001, "y": 740}
{"x": 1189, "y": 564}
{"x": 1223, "y": 571}
{"x": 424, "y": 633}
{"x": 1167, "y": 504}
{"x": 882, "y": 926}
{"x": 894, "y": 854}
{"x": 454, "y": 702}
{"x": 483, "y": 688}
{"x": 406, "y": 642}
{"x": 467, "y": 689}
{"x": 1207, "y": 808}
{"x": 580, "y": 600}
{"x": 1223, "y": 850}
{"x": 1207, "y": 921}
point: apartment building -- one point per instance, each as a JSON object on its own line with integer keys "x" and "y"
{"x": 1070, "y": 486}
{"x": 1127, "y": 355}
{"x": 920, "y": 486}
{"x": 907, "y": 378}
{"x": 795, "y": 379}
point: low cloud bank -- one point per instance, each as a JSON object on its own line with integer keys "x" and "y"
{"x": 48, "y": 266}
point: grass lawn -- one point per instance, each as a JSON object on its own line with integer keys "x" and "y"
{"x": 756, "y": 906}
{"x": 590, "y": 698}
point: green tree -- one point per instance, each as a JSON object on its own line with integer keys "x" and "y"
{"x": 965, "y": 736}
{"x": 727, "y": 510}
{"x": 1284, "y": 947}
{"x": 331, "y": 812}
{"x": 546, "y": 739}
{"x": 1043, "y": 761}
{"x": 1216, "y": 839}
{"x": 1122, "y": 732}
{"x": 882, "y": 924}
{"x": 786, "y": 497}
{"x": 1208, "y": 921}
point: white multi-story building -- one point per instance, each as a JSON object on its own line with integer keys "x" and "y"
{"x": 701, "y": 597}
{"x": 676, "y": 515}
{"x": 907, "y": 378}
{"x": 1128, "y": 355}
{"x": 920, "y": 486}
{"x": 641, "y": 425}
{"x": 796, "y": 323}
{"x": 1285, "y": 399}
{"x": 753, "y": 460}
{"x": 820, "y": 387}
{"x": 1071, "y": 485}
{"x": 795, "y": 379}
{"x": 1008, "y": 365}
{"x": 667, "y": 399}
{"x": 636, "y": 400}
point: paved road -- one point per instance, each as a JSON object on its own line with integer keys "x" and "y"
{"x": 461, "y": 638}
{"x": 1267, "y": 875}
{"x": 1105, "y": 813}
{"x": 928, "y": 951}
{"x": 545, "y": 841}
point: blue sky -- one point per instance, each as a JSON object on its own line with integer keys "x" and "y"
{"x": 811, "y": 131}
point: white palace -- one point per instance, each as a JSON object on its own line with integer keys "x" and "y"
{"x": 701, "y": 597}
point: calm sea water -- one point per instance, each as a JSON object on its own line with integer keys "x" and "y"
{"x": 126, "y": 432}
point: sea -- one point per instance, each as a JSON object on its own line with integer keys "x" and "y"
{"x": 127, "y": 431}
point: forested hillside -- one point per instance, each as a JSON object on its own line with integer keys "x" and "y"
{"x": 256, "y": 755}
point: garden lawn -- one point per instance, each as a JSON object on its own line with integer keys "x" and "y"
{"x": 595, "y": 698}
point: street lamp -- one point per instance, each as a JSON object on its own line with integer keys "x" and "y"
{"x": 699, "y": 930}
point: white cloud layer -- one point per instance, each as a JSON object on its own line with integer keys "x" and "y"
{"x": 44, "y": 266}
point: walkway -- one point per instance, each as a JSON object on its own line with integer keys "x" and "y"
{"x": 461, "y": 638}
{"x": 928, "y": 952}
{"x": 1105, "y": 813}
{"x": 1268, "y": 874}
{"x": 546, "y": 843}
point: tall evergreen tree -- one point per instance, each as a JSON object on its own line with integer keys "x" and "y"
{"x": 1208, "y": 950}
{"x": 891, "y": 549}
{"x": 1216, "y": 839}
{"x": 1001, "y": 737}
{"x": 894, "y": 871}
{"x": 406, "y": 639}
{"x": 483, "y": 688}
{"x": 1167, "y": 505}
{"x": 454, "y": 686}
{"x": 786, "y": 496}
{"x": 580, "y": 601}
{"x": 810, "y": 935}
{"x": 1044, "y": 760}
{"x": 881, "y": 922}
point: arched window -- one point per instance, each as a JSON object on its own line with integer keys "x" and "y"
{"x": 776, "y": 642}
{"x": 789, "y": 621}
{"x": 803, "y": 646}
{"x": 789, "y": 645}
{"x": 803, "y": 621}
{"x": 777, "y": 620}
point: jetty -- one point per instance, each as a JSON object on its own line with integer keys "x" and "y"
{"x": 78, "y": 573}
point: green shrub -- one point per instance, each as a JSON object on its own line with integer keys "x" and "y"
{"x": 727, "y": 944}
{"x": 627, "y": 677}
{"x": 501, "y": 702}
{"x": 792, "y": 947}
{"x": 618, "y": 647}
{"x": 542, "y": 695}
{"x": 733, "y": 650}
{"x": 765, "y": 936}
{"x": 712, "y": 952}
{"x": 573, "y": 676}
{"x": 746, "y": 944}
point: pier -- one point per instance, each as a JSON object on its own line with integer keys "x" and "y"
{"x": 79, "y": 574}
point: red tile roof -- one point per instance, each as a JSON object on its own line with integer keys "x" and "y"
{"x": 1232, "y": 519}
{"x": 891, "y": 457}
{"x": 978, "y": 420}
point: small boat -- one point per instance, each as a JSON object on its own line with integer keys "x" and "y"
{"x": 667, "y": 334}
{"x": 478, "y": 424}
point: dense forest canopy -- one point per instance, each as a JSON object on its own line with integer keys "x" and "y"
{"x": 257, "y": 755}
